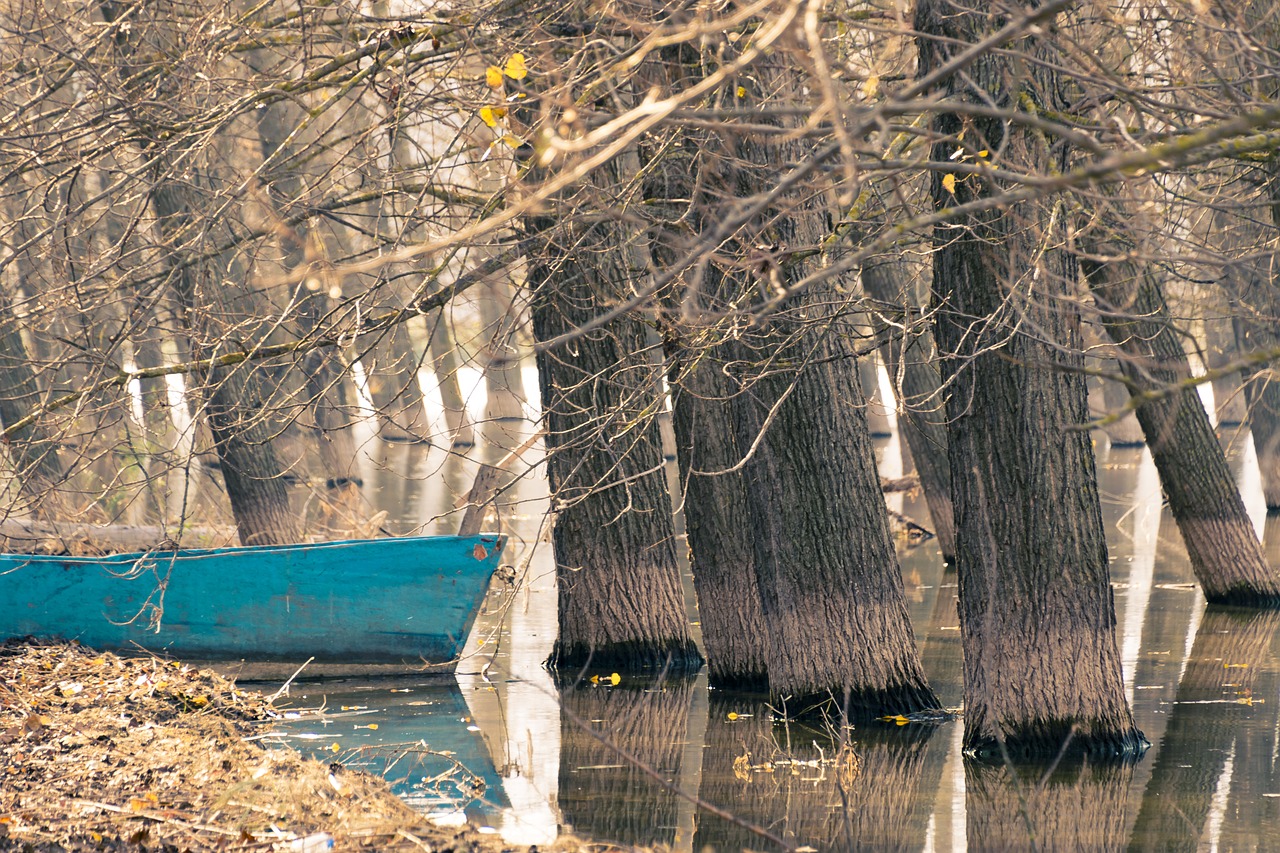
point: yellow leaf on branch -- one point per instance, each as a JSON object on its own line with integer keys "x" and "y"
{"x": 516, "y": 68}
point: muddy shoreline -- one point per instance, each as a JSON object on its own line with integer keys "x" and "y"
{"x": 102, "y": 752}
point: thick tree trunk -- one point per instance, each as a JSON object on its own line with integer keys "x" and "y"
{"x": 1042, "y": 669}
{"x": 325, "y": 387}
{"x": 1221, "y": 542}
{"x": 718, "y": 525}
{"x": 621, "y": 602}
{"x": 213, "y": 313}
{"x": 912, "y": 363}
{"x": 1256, "y": 307}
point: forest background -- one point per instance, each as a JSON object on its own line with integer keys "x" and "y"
{"x": 232, "y": 234}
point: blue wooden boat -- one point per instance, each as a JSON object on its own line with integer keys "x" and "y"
{"x": 404, "y": 602}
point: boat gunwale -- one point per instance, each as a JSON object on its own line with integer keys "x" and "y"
{"x": 231, "y": 550}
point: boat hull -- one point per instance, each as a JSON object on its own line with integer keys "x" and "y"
{"x": 402, "y": 602}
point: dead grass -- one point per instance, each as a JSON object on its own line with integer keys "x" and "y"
{"x": 101, "y": 752}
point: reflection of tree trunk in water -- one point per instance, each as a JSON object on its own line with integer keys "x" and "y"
{"x": 1020, "y": 477}
{"x": 913, "y": 371}
{"x": 1220, "y": 539}
{"x": 444, "y": 361}
{"x": 603, "y": 796}
{"x": 1080, "y": 806}
{"x": 880, "y": 800}
{"x": 728, "y": 782}
{"x": 1206, "y": 723}
{"x": 621, "y": 602}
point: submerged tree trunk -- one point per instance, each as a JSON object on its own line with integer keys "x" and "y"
{"x": 1221, "y": 542}
{"x": 718, "y": 528}
{"x": 912, "y": 362}
{"x": 621, "y": 603}
{"x": 1042, "y": 670}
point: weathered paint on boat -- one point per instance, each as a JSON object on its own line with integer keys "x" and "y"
{"x": 405, "y": 601}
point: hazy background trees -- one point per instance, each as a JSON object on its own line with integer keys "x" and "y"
{"x": 241, "y": 245}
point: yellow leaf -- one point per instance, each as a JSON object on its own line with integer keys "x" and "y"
{"x": 732, "y": 716}
{"x": 516, "y": 69}
{"x": 493, "y": 77}
{"x": 742, "y": 91}
{"x": 871, "y": 86}
{"x": 487, "y": 116}
{"x": 335, "y": 748}
{"x": 511, "y": 140}
{"x": 373, "y": 726}
{"x": 614, "y": 678}
{"x": 595, "y": 679}
{"x": 984, "y": 154}
{"x": 949, "y": 183}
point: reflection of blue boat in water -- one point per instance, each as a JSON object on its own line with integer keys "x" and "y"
{"x": 402, "y": 603}
{"x": 420, "y": 736}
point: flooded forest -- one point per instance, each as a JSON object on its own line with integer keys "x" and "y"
{"x": 877, "y": 397}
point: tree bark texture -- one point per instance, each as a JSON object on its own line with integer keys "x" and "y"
{"x": 233, "y": 401}
{"x": 834, "y": 609}
{"x": 911, "y": 358}
{"x": 1224, "y": 549}
{"x": 830, "y": 585}
{"x": 717, "y": 526}
{"x": 621, "y": 602}
{"x": 1042, "y": 669}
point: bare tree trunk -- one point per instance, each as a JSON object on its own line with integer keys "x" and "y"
{"x": 717, "y": 521}
{"x": 1220, "y": 349}
{"x": 444, "y": 360}
{"x": 234, "y": 402}
{"x": 1220, "y": 539}
{"x": 912, "y": 362}
{"x": 38, "y": 470}
{"x": 621, "y": 602}
{"x": 1029, "y": 531}
{"x": 324, "y": 385}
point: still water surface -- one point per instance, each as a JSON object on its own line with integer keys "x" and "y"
{"x": 508, "y": 750}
